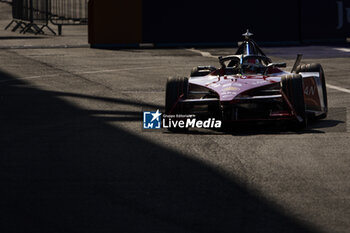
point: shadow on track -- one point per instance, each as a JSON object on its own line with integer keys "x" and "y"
{"x": 253, "y": 128}
{"x": 62, "y": 169}
{"x": 335, "y": 122}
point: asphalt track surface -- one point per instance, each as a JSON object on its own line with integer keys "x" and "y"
{"x": 73, "y": 156}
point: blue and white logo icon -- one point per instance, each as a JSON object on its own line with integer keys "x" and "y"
{"x": 151, "y": 120}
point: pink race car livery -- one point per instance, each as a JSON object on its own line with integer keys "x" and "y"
{"x": 248, "y": 86}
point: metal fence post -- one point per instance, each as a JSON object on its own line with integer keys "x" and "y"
{"x": 31, "y": 9}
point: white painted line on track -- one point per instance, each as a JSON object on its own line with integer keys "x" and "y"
{"x": 347, "y": 50}
{"x": 203, "y": 53}
{"x": 338, "y": 88}
{"x": 116, "y": 70}
{"x": 82, "y": 72}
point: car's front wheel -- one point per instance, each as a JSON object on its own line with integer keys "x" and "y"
{"x": 176, "y": 89}
{"x": 292, "y": 87}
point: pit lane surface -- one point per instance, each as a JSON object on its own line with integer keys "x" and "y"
{"x": 73, "y": 156}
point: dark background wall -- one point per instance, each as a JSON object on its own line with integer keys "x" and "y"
{"x": 326, "y": 20}
{"x": 221, "y": 22}
{"x": 112, "y": 22}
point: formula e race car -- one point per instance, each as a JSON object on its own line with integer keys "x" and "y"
{"x": 250, "y": 87}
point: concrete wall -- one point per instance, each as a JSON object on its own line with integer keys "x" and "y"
{"x": 115, "y": 22}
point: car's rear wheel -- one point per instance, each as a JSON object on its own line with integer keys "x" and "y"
{"x": 292, "y": 87}
{"x": 315, "y": 67}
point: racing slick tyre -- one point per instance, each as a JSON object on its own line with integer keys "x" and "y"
{"x": 315, "y": 67}
{"x": 292, "y": 87}
{"x": 176, "y": 89}
{"x": 201, "y": 71}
